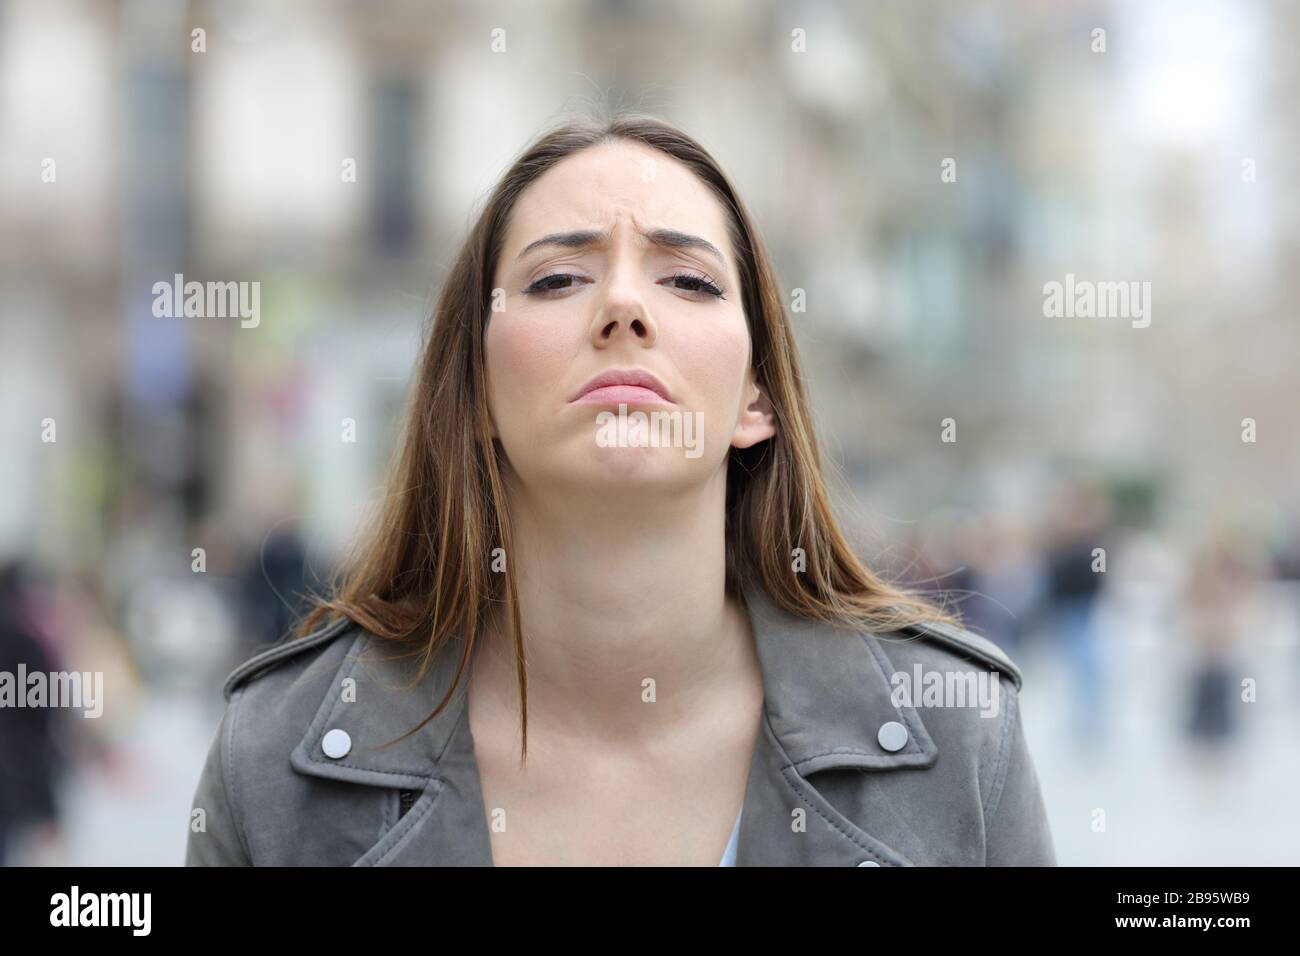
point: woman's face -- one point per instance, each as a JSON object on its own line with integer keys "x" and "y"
{"x": 571, "y": 307}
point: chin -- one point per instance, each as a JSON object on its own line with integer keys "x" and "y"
{"x": 648, "y": 465}
{"x": 576, "y": 465}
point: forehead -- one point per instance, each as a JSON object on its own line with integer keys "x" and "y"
{"x": 616, "y": 183}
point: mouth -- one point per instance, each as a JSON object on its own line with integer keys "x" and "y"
{"x": 632, "y": 386}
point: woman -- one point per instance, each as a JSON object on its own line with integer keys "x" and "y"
{"x": 609, "y": 463}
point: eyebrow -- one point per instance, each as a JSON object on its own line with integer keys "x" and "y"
{"x": 581, "y": 238}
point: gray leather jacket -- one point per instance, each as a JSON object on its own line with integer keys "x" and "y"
{"x": 848, "y": 770}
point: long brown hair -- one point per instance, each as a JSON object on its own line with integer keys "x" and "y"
{"x": 423, "y": 576}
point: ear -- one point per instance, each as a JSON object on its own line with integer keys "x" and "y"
{"x": 758, "y": 422}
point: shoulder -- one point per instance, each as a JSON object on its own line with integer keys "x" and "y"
{"x": 253, "y": 779}
{"x": 945, "y": 647}
{"x": 273, "y": 698}
{"x": 962, "y": 686}
{"x": 300, "y": 652}
{"x": 974, "y": 711}
{"x": 270, "y": 701}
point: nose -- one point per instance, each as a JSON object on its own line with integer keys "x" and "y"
{"x": 622, "y": 315}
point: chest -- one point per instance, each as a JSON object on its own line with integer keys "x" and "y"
{"x": 572, "y": 805}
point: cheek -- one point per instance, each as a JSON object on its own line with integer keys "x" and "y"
{"x": 522, "y": 358}
{"x": 717, "y": 360}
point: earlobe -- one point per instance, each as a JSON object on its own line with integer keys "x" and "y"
{"x": 758, "y": 421}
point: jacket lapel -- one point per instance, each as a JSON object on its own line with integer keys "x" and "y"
{"x": 827, "y": 696}
{"x": 376, "y": 697}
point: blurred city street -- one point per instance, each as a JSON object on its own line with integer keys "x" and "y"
{"x": 1166, "y": 800}
{"x": 134, "y": 811}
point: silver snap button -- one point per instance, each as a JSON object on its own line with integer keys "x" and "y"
{"x": 336, "y": 743}
{"x": 868, "y": 863}
{"x": 892, "y": 736}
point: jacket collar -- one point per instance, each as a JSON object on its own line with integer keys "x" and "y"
{"x": 827, "y": 696}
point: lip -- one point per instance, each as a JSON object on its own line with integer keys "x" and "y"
{"x": 630, "y": 385}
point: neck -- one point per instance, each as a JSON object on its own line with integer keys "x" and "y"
{"x": 612, "y": 593}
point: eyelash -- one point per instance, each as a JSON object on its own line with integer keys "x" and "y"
{"x": 706, "y": 285}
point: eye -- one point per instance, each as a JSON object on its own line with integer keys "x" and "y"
{"x": 696, "y": 283}
{"x": 556, "y": 282}
{"x": 686, "y": 281}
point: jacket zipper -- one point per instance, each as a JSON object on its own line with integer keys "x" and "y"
{"x": 405, "y": 798}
